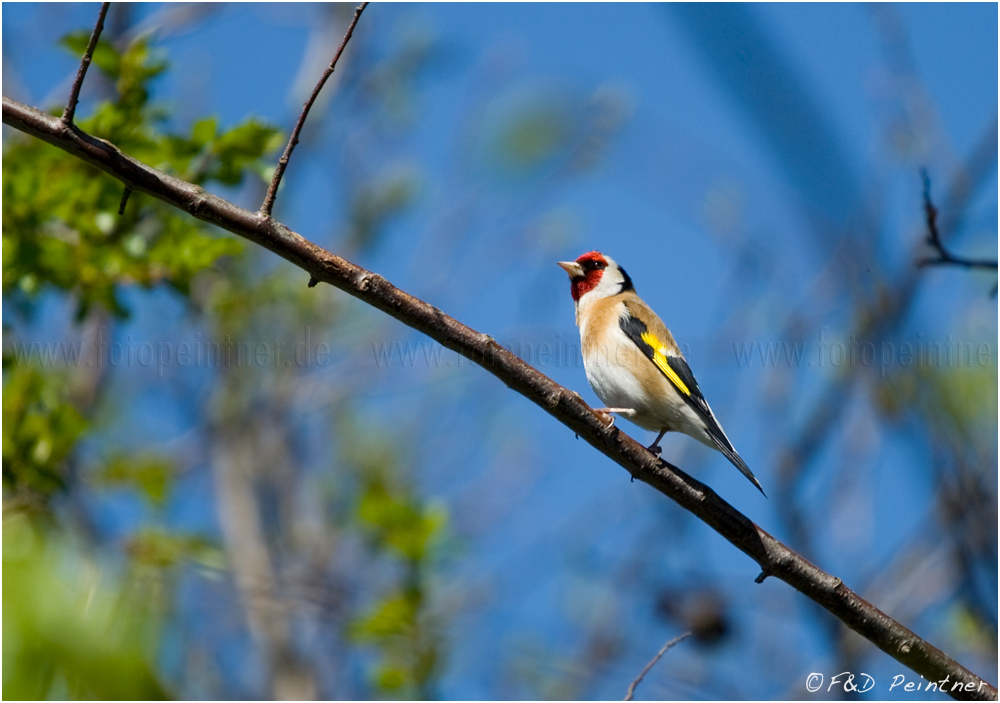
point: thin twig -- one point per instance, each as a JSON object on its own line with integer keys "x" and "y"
{"x": 934, "y": 238}
{"x": 293, "y": 140}
{"x": 124, "y": 201}
{"x": 564, "y": 405}
{"x": 74, "y": 94}
{"x": 652, "y": 663}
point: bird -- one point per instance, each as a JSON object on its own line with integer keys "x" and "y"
{"x": 633, "y": 363}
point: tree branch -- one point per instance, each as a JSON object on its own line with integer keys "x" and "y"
{"x": 88, "y": 55}
{"x": 293, "y": 140}
{"x": 934, "y": 238}
{"x": 773, "y": 557}
{"x": 652, "y": 663}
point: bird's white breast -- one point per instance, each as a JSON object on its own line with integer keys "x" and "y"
{"x": 611, "y": 361}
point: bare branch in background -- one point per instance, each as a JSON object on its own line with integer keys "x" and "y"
{"x": 293, "y": 140}
{"x": 235, "y": 458}
{"x": 74, "y": 93}
{"x": 773, "y": 557}
{"x": 934, "y": 238}
{"x": 652, "y": 663}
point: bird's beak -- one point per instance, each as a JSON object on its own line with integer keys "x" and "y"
{"x": 572, "y": 268}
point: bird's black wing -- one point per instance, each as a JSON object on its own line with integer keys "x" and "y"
{"x": 678, "y": 373}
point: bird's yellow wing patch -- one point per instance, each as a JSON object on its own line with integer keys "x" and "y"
{"x": 660, "y": 359}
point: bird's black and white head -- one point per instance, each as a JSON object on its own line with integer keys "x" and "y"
{"x": 594, "y": 276}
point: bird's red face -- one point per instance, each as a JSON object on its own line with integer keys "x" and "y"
{"x": 585, "y": 273}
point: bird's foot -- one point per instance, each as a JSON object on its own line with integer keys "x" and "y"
{"x": 627, "y": 412}
{"x": 654, "y": 448}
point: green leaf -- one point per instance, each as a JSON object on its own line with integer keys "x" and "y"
{"x": 104, "y": 57}
{"x": 204, "y": 131}
{"x": 149, "y": 475}
{"x": 238, "y": 149}
{"x": 402, "y": 523}
{"x": 390, "y": 678}
{"x": 139, "y": 64}
{"x": 390, "y": 617}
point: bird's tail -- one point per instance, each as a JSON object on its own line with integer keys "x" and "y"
{"x": 731, "y": 454}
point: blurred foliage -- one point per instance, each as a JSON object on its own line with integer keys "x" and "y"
{"x": 963, "y": 402}
{"x": 400, "y": 624}
{"x": 376, "y": 201}
{"x": 534, "y": 135}
{"x": 408, "y": 662}
{"x": 390, "y": 83}
{"x": 67, "y": 633}
{"x": 389, "y": 622}
{"x": 399, "y": 523}
{"x": 161, "y": 550}
{"x": 959, "y": 402}
{"x": 61, "y": 230}
{"x": 542, "y": 130}
{"x": 60, "y": 223}
{"x": 40, "y": 428}
{"x": 151, "y": 475}
{"x": 242, "y": 302}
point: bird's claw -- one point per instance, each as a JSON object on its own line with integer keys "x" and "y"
{"x": 605, "y": 413}
{"x": 655, "y": 450}
{"x": 628, "y": 412}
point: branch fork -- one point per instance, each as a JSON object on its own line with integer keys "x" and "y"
{"x": 944, "y": 257}
{"x": 74, "y": 94}
{"x": 293, "y": 140}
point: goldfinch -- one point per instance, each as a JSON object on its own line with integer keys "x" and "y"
{"x": 633, "y": 363}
